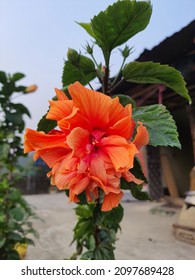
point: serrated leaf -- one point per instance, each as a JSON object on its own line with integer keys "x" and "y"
{"x": 155, "y": 73}
{"x": 160, "y": 125}
{"x": 118, "y": 23}
{"x": 17, "y": 76}
{"x": 84, "y": 71}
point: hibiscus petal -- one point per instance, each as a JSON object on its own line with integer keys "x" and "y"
{"x": 60, "y": 94}
{"x": 97, "y": 168}
{"x": 61, "y": 109}
{"x": 123, "y": 127}
{"x": 78, "y": 140}
{"x": 72, "y": 121}
{"x": 81, "y": 185}
{"x": 35, "y": 140}
{"x": 129, "y": 177}
{"x": 142, "y": 137}
{"x": 121, "y": 152}
{"x": 52, "y": 154}
{"x": 95, "y": 106}
{"x": 111, "y": 201}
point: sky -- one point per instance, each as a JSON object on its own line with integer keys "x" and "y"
{"x": 36, "y": 34}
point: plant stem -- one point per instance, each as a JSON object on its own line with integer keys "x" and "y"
{"x": 119, "y": 73}
{"x": 105, "y": 81}
{"x": 96, "y": 236}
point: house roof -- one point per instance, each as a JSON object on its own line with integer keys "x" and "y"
{"x": 178, "y": 51}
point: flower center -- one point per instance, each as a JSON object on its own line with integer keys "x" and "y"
{"x": 92, "y": 146}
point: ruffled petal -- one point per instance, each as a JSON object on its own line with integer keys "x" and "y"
{"x": 142, "y": 137}
{"x": 95, "y": 106}
{"x": 123, "y": 127}
{"x": 35, "y": 140}
{"x": 61, "y": 109}
{"x": 111, "y": 201}
{"x": 121, "y": 152}
{"x": 60, "y": 94}
{"x": 77, "y": 140}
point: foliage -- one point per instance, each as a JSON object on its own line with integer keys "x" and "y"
{"x": 15, "y": 213}
{"x": 160, "y": 125}
{"x": 95, "y": 231}
{"x": 155, "y": 73}
{"x": 15, "y": 224}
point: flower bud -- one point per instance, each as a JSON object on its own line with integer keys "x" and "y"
{"x": 89, "y": 49}
{"x": 126, "y": 51}
{"x": 30, "y": 88}
{"x": 73, "y": 56}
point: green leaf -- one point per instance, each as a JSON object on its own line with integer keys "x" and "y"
{"x": 118, "y": 23}
{"x": 160, "y": 125}
{"x": 15, "y": 236}
{"x": 125, "y": 99}
{"x": 83, "y": 229}
{"x": 13, "y": 255}
{"x": 15, "y": 118}
{"x": 46, "y": 125}
{"x": 20, "y": 108}
{"x": 83, "y": 71}
{"x": 136, "y": 190}
{"x": 17, "y": 76}
{"x": 104, "y": 252}
{"x": 88, "y": 255}
{"x": 139, "y": 194}
{"x": 8, "y": 89}
{"x": 84, "y": 211}
{"x": 113, "y": 217}
{"x": 17, "y": 214}
{"x": 137, "y": 172}
{"x": 155, "y": 73}
{"x": 3, "y": 78}
{"x": 15, "y": 195}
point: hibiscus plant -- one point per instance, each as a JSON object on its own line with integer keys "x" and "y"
{"x": 90, "y": 138}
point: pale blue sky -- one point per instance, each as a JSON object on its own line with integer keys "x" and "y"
{"x": 35, "y": 36}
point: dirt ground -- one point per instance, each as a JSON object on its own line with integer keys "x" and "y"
{"x": 146, "y": 230}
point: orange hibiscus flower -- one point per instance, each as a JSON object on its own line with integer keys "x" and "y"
{"x": 93, "y": 147}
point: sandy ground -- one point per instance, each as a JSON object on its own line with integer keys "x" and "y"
{"x": 146, "y": 230}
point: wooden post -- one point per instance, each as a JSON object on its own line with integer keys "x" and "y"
{"x": 191, "y": 114}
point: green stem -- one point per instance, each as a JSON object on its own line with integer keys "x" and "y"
{"x": 105, "y": 81}
{"x": 119, "y": 73}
